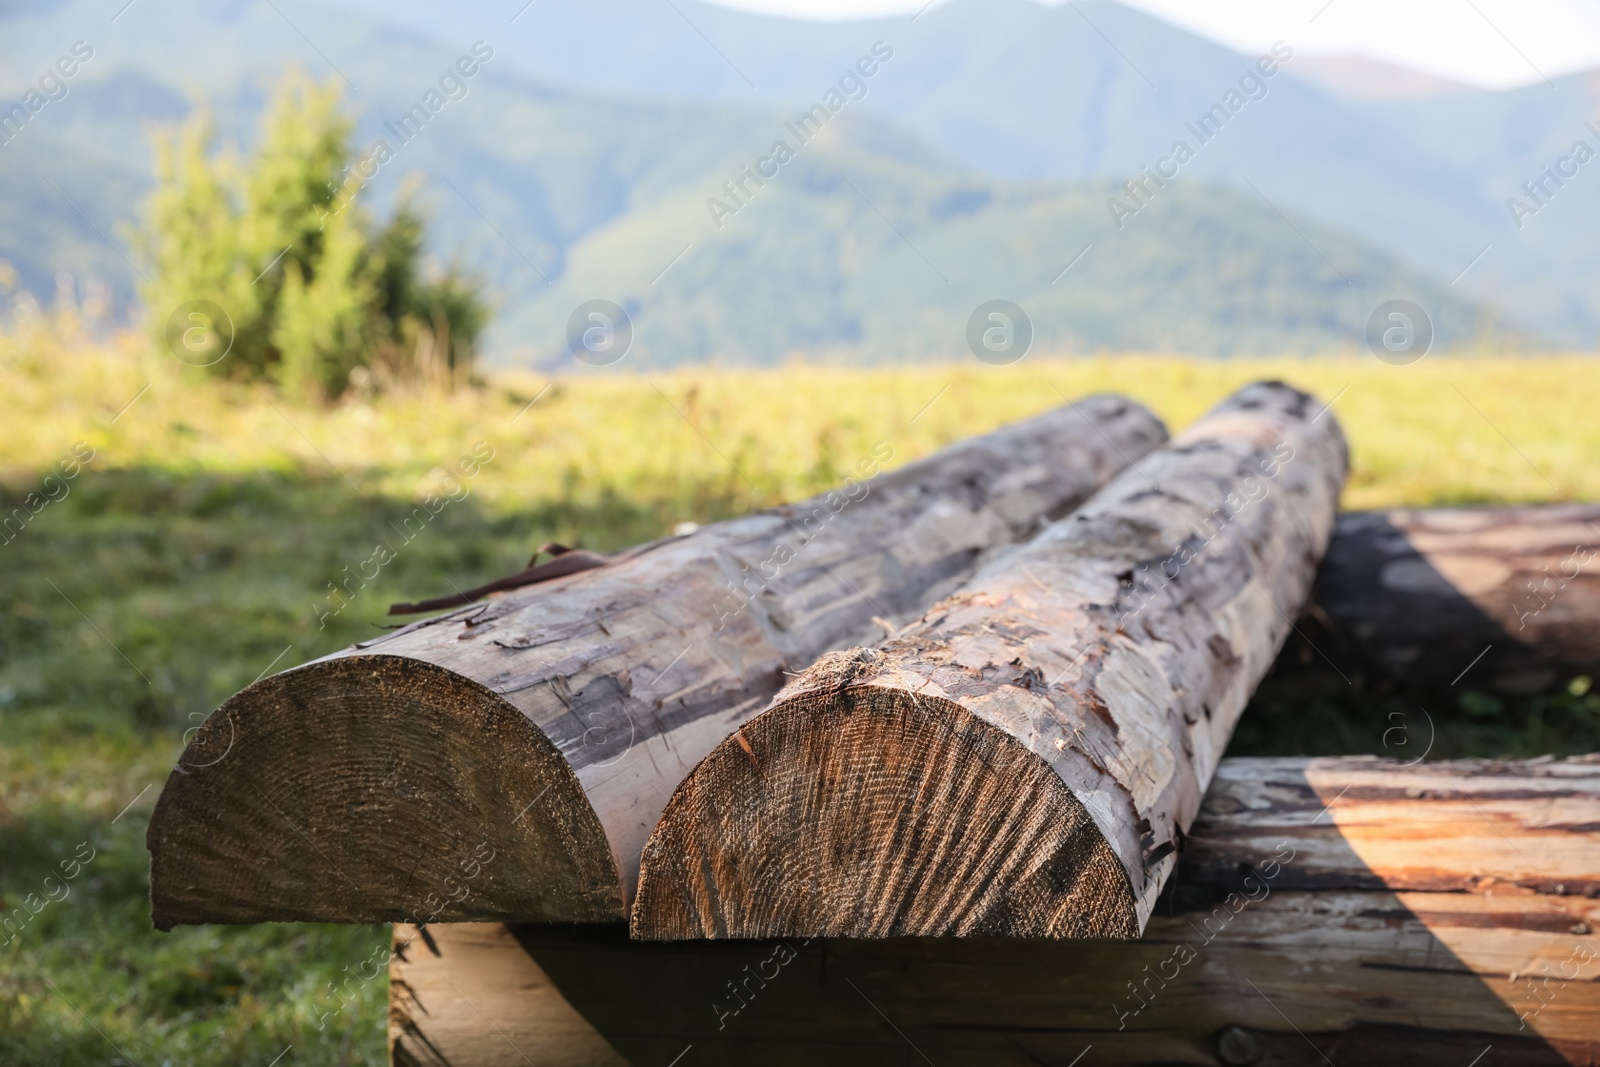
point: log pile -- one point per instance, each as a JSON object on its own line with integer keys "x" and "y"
{"x": 1306, "y": 920}
{"x": 1025, "y": 759}
{"x": 987, "y": 819}
{"x": 547, "y": 727}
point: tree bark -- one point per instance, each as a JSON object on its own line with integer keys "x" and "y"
{"x": 1358, "y": 909}
{"x": 1025, "y": 759}
{"x": 507, "y": 760}
{"x": 1498, "y": 598}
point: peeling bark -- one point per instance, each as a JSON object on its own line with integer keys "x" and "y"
{"x": 507, "y": 760}
{"x": 1024, "y": 759}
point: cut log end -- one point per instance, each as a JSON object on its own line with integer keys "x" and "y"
{"x": 1025, "y": 758}
{"x": 857, "y": 810}
{"x": 627, "y": 673}
{"x": 374, "y": 788}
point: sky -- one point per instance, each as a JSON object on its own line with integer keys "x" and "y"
{"x": 1489, "y": 43}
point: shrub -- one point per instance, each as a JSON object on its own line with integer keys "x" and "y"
{"x": 317, "y": 295}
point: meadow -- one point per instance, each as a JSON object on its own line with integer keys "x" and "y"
{"x": 194, "y": 550}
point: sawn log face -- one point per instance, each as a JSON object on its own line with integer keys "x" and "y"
{"x": 1357, "y": 909}
{"x": 508, "y": 759}
{"x": 981, "y": 771}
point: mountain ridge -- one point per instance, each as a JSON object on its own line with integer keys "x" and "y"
{"x": 530, "y": 177}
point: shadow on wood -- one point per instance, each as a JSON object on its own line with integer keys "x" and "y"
{"x": 1339, "y": 911}
{"x": 1506, "y": 599}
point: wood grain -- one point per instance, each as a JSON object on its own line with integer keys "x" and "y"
{"x": 1025, "y": 758}
{"x": 507, "y": 760}
{"x": 1413, "y": 915}
{"x": 1419, "y": 596}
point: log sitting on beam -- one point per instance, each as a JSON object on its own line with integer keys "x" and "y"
{"x": 507, "y": 760}
{"x": 1025, "y": 759}
{"x": 1349, "y": 910}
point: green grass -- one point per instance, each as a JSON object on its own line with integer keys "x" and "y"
{"x": 191, "y": 555}
{"x": 1320, "y": 714}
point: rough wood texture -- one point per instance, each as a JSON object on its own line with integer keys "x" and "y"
{"x": 1025, "y": 758}
{"x": 1418, "y": 595}
{"x": 1353, "y": 909}
{"x": 508, "y": 759}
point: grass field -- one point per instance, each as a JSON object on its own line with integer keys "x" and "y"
{"x": 193, "y": 553}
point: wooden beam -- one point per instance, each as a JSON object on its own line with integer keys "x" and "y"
{"x": 1497, "y": 598}
{"x": 1328, "y": 910}
{"x": 507, "y": 760}
{"x": 1025, "y": 759}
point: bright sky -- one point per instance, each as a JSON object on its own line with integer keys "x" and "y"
{"x": 1496, "y": 43}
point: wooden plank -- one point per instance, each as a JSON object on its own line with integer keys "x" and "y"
{"x": 1025, "y": 758}
{"x": 1360, "y": 822}
{"x": 1325, "y": 962}
{"x": 466, "y": 993}
{"x": 507, "y": 760}
{"x": 1417, "y": 596}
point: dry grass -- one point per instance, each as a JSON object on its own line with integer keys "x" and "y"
{"x": 697, "y": 444}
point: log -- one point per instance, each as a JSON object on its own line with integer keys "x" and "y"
{"x": 1494, "y": 598}
{"x": 507, "y": 760}
{"x": 1025, "y": 758}
{"x": 1355, "y": 909}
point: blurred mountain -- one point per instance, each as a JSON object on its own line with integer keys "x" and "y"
{"x": 977, "y": 164}
{"x": 1358, "y": 77}
{"x": 847, "y": 251}
{"x": 60, "y": 207}
{"x": 1093, "y": 90}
